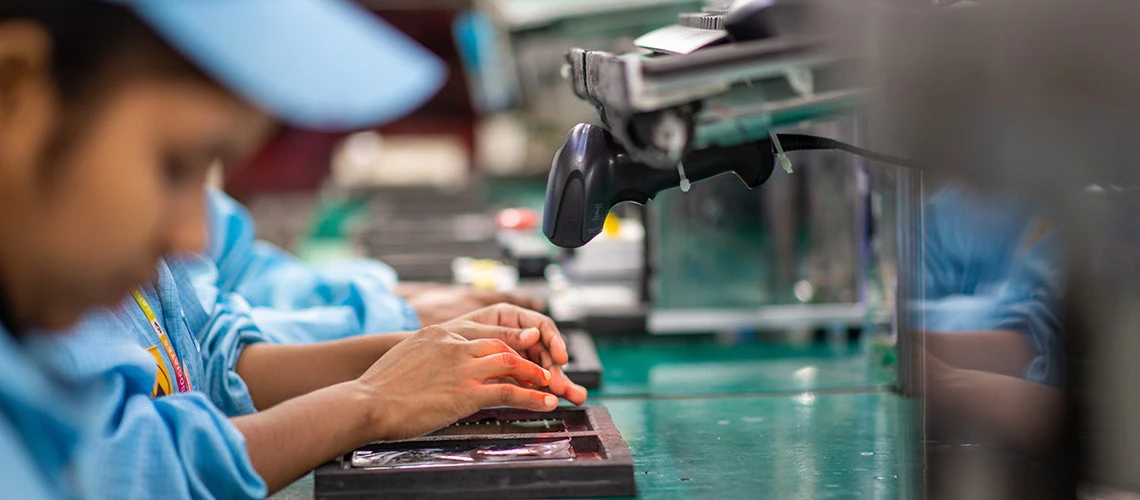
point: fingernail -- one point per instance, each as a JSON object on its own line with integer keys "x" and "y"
{"x": 546, "y": 373}
{"x": 550, "y": 400}
{"x": 529, "y": 335}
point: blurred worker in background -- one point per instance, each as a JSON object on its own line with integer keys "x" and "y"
{"x": 296, "y": 302}
{"x": 99, "y": 183}
{"x": 992, "y": 282}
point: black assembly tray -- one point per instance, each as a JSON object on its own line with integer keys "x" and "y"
{"x": 601, "y": 463}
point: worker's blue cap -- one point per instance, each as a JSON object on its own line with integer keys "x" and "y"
{"x": 325, "y": 64}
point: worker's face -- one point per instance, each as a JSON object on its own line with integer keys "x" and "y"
{"x": 81, "y": 225}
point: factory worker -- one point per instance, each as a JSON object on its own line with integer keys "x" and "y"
{"x": 231, "y": 362}
{"x": 98, "y": 181}
{"x": 991, "y": 276}
{"x": 296, "y": 302}
{"x": 343, "y": 301}
{"x": 991, "y": 323}
{"x": 970, "y": 242}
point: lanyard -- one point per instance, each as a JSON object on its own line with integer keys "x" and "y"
{"x": 179, "y": 374}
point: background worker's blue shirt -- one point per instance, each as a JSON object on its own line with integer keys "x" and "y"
{"x": 1030, "y": 303}
{"x": 969, "y": 247}
{"x": 294, "y": 302}
{"x": 981, "y": 272}
{"x": 970, "y": 242}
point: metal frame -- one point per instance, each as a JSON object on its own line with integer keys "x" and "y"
{"x": 775, "y": 317}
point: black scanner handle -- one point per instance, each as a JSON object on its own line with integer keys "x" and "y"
{"x": 591, "y": 173}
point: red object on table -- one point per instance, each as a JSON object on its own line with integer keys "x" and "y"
{"x": 517, "y": 218}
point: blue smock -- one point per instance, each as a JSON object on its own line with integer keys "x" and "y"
{"x": 980, "y": 273}
{"x": 292, "y": 301}
{"x": 78, "y": 420}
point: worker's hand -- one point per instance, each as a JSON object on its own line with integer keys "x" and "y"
{"x": 529, "y": 333}
{"x": 436, "y": 377}
{"x": 436, "y": 303}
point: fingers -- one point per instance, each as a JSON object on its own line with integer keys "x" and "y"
{"x": 487, "y": 347}
{"x": 510, "y": 315}
{"x": 551, "y": 338}
{"x": 573, "y": 393}
{"x": 554, "y": 342}
{"x": 491, "y": 395}
{"x": 510, "y": 364}
{"x": 518, "y": 339}
{"x": 576, "y": 394}
{"x": 561, "y": 385}
{"x": 558, "y": 382}
{"x": 497, "y": 360}
{"x": 521, "y": 340}
{"x": 538, "y": 354}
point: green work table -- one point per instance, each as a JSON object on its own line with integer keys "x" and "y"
{"x": 807, "y": 446}
{"x": 711, "y": 420}
{"x": 701, "y": 366}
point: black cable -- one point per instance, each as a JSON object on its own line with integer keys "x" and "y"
{"x": 804, "y": 142}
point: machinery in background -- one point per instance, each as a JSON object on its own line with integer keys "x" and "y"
{"x": 703, "y": 97}
{"x": 758, "y": 67}
{"x": 513, "y": 57}
{"x": 420, "y": 231}
{"x": 796, "y": 257}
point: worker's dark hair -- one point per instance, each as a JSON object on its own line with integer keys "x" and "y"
{"x": 93, "y": 39}
{"x": 96, "y": 47}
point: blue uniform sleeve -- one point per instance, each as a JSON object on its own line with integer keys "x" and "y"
{"x": 1031, "y": 303}
{"x": 177, "y": 446}
{"x": 229, "y": 330}
{"x": 223, "y": 325}
{"x": 352, "y": 297}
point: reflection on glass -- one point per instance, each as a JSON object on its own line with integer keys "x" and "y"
{"x": 990, "y": 324}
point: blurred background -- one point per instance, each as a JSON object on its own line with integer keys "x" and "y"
{"x": 946, "y": 315}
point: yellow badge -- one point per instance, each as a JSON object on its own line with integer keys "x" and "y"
{"x": 162, "y": 384}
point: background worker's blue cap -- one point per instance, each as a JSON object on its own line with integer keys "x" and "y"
{"x": 326, "y": 64}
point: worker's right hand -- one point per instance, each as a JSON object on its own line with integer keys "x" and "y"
{"x": 436, "y": 377}
{"x": 531, "y": 334}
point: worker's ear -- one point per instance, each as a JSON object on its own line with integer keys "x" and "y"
{"x": 25, "y": 50}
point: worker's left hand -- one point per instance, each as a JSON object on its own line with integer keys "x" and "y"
{"x": 437, "y": 303}
{"x": 531, "y": 334}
